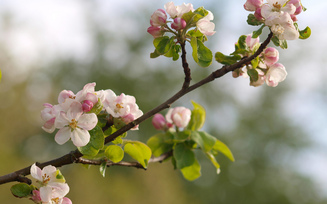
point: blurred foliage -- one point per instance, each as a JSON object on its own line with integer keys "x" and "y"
{"x": 262, "y": 141}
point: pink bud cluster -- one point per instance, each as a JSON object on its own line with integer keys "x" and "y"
{"x": 53, "y": 188}
{"x": 279, "y": 15}
{"x": 159, "y": 20}
{"x": 268, "y": 69}
{"x": 74, "y": 115}
{"x": 179, "y": 117}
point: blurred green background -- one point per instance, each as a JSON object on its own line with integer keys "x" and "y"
{"x": 277, "y": 135}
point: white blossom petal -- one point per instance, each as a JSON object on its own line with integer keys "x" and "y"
{"x": 88, "y": 121}
{"x": 80, "y": 137}
{"x": 63, "y": 135}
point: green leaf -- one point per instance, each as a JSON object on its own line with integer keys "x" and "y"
{"x": 195, "y": 16}
{"x": 213, "y": 161}
{"x": 195, "y": 33}
{"x": 227, "y": 60}
{"x": 201, "y": 54}
{"x": 192, "y": 172}
{"x": 221, "y": 147}
{"x": 254, "y": 75}
{"x": 204, "y": 140}
{"x": 163, "y": 44}
{"x": 283, "y": 44}
{"x": 60, "y": 178}
{"x": 252, "y": 20}
{"x": 102, "y": 120}
{"x": 115, "y": 153}
{"x": 241, "y": 42}
{"x": 197, "y": 118}
{"x": 304, "y": 34}
{"x": 255, "y": 62}
{"x": 158, "y": 143}
{"x": 258, "y": 32}
{"x": 181, "y": 136}
{"x": 275, "y": 40}
{"x": 183, "y": 155}
{"x": 97, "y": 108}
{"x": 103, "y": 167}
{"x": 154, "y": 54}
{"x": 21, "y": 190}
{"x": 173, "y": 52}
{"x": 138, "y": 151}
{"x": 96, "y": 142}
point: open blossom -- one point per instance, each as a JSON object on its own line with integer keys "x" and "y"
{"x": 179, "y": 116}
{"x": 276, "y": 73}
{"x": 178, "y": 11}
{"x": 252, "y": 5}
{"x": 205, "y": 25}
{"x": 53, "y": 189}
{"x": 74, "y": 125}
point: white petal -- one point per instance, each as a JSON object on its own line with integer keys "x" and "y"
{"x": 59, "y": 190}
{"x": 80, "y": 137}
{"x": 63, "y": 135}
{"x": 46, "y": 193}
{"x": 75, "y": 110}
{"x": 88, "y": 121}
{"x": 36, "y": 172}
{"x": 61, "y": 120}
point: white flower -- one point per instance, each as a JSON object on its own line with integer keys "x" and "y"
{"x": 276, "y": 73}
{"x": 205, "y": 25}
{"x": 74, "y": 125}
{"x": 178, "y": 11}
{"x": 180, "y": 116}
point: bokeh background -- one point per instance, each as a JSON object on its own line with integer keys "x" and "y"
{"x": 277, "y": 135}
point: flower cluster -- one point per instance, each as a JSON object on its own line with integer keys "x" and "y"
{"x": 279, "y": 15}
{"x": 76, "y": 114}
{"x": 179, "y": 116}
{"x": 265, "y": 68}
{"x": 178, "y": 14}
{"x": 53, "y": 187}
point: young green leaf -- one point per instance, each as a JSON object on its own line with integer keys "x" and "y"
{"x": 96, "y": 142}
{"x": 163, "y": 44}
{"x": 183, "y": 155}
{"x": 283, "y": 44}
{"x": 201, "y": 54}
{"x": 255, "y": 62}
{"x": 254, "y": 75}
{"x": 226, "y": 59}
{"x": 192, "y": 172}
{"x": 213, "y": 161}
{"x": 204, "y": 140}
{"x": 197, "y": 118}
{"x": 103, "y": 167}
{"x": 252, "y": 20}
{"x": 221, "y": 147}
{"x": 138, "y": 151}
{"x": 305, "y": 33}
{"x": 258, "y": 32}
{"x": 21, "y": 190}
{"x": 115, "y": 153}
{"x": 158, "y": 143}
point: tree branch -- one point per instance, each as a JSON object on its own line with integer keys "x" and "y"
{"x": 74, "y": 156}
{"x": 187, "y": 70}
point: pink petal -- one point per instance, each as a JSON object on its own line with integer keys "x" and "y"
{"x": 36, "y": 172}
{"x": 80, "y": 137}
{"x": 88, "y": 121}
{"x": 63, "y": 135}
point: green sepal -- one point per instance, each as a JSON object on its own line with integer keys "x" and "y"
{"x": 163, "y": 44}
{"x": 252, "y": 20}
{"x": 159, "y": 143}
{"x": 275, "y": 40}
{"x": 192, "y": 172}
{"x": 115, "y": 153}
{"x": 283, "y": 44}
{"x": 205, "y": 141}
{"x": 183, "y": 155}
{"x": 96, "y": 142}
{"x": 254, "y": 75}
{"x": 304, "y": 34}
{"x": 103, "y": 167}
{"x": 221, "y": 147}
{"x": 21, "y": 190}
{"x": 138, "y": 151}
{"x": 198, "y": 117}
{"x": 201, "y": 54}
{"x": 227, "y": 59}
{"x": 97, "y": 108}
{"x": 258, "y": 32}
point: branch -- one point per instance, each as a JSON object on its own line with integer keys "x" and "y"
{"x": 74, "y": 156}
{"x": 187, "y": 70}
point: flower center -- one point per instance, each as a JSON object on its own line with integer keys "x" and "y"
{"x": 73, "y": 124}
{"x": 277, "y": 6}
{"x": 277, "y": 29}
{"x": 45, "y": 178}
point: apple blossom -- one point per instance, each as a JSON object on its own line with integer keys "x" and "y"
{"x": 178, "y": 24}
{"x": 252, "y": 42}
{"x": 205, "y": 25}
{"x": 48, "y": 115}
{"x": 159, "y": 121}
{"x": 252, "y": 5}
{"x": 179, "y": 116}
{"x": 155, "y": 31}
{"x": 271, "y": 56}
{"x": 178, "y": 11}
{"x": 158, "y": 18}
{"x": 74, "y": 125}
{"x": 276, "y": 73}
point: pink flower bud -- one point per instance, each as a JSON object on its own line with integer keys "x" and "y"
{"x": 159, "y": 121}
{"x": 87, "y": 106}
{"x": 158, "y": 18}
{"x": 257, "y": 14}
{"x": 298, "y": 6}
{"x": 36, "y": 196}
{"x": 178, "y": 24}
{"x": 180, "y": 116}
{"x": 271, "y": 56}
{"x": 252, "y": 5}
{"x": 155, "y": 31}
{"x": 251, "y": 42}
